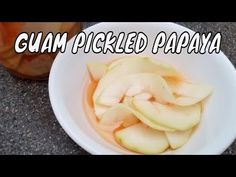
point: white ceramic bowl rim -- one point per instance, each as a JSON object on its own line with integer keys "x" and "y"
{"x": 89, "y": 145}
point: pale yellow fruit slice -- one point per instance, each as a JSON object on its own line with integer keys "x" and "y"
{"x": 142, "y": 139}
{"x": 187, "y": 93}
{"x": 96, "y": 69}
{"x": 100, "y": 110}
{"x": 120, "y": 60}
{"x": 176, "y": 117}
{"x": 162, "y": 69}
{"x": 128, "y": 102}
{"x": 143, "y": 96}
{"x": 148, "y": 82}
{"x": 178, "y": 138}
{"x": 118, "y": 114}
{"x": 132, "y": 66}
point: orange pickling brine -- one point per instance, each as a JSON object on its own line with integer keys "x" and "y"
{"x": 30, "y": 65}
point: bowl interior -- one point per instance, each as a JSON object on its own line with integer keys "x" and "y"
{"x": 217, "y": 128}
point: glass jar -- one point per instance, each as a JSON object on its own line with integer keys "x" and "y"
{"x": 29, "y": 65}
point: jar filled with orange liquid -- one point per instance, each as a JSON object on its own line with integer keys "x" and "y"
{"x": 30, "y": 65}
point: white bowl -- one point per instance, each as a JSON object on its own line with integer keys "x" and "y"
{"x": 217, "y": 129}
